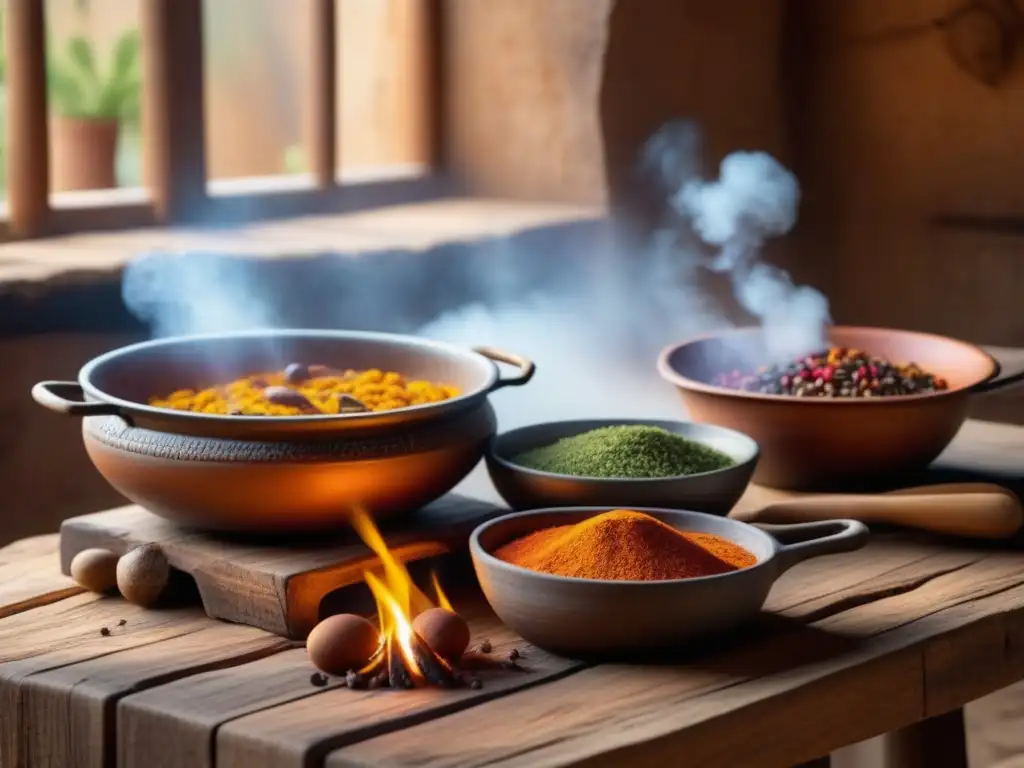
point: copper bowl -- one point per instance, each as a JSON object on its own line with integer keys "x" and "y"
{"x": 825, "y": 443}
{"x": 274, "y": 473}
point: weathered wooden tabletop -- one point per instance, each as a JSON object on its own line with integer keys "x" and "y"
{"x": 853, "y": 646}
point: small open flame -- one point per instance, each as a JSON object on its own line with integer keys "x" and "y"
{"x": 402, "y": 659}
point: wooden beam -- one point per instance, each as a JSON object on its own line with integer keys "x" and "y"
{"x": 174, "y": 115}
{"x": 323, "y": 107}
{"x": 435, "y": 64}
{"x": 28, "y": 161}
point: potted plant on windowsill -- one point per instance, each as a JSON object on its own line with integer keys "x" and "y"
{"x": 90, "y": 107}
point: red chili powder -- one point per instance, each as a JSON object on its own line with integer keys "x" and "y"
{"x": 624, "y": 545}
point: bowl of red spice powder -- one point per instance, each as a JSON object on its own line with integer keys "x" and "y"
{"x": 600, "y": 581}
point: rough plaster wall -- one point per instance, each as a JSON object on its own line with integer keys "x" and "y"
{"x": 891, "y": 134}
{"x": 523, "y": 79}
{"x": 551, "y": 99}
{"x": 897, "y": 134}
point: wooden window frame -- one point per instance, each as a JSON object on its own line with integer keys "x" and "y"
{"x": 174, "y": 140}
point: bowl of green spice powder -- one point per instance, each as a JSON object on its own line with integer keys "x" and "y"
{"x": 622, "y": 462}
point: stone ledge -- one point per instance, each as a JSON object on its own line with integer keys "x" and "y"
{"x": 73, "y": 283}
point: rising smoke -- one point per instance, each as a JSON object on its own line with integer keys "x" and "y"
{"x": 594, "y": 334}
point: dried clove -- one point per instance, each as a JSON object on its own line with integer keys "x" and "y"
{"x": 349, "y": 404}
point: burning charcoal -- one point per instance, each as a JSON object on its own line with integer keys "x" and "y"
{"x": 398, "y": 672}
{"x": 431, "y": 666}
{"x": 379, "y": 680}
{"x": 355, "y": 681}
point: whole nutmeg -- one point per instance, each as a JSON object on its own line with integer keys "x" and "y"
{"x": 445, "y": 632}
{"x": 142, "y": 575}
{"x": 319, "y": 371}
{"x": 288, "y": 397}
{"x": 341, "y": 643}
{"x": 95, "y": 569}
{"x": 296, "y": 373}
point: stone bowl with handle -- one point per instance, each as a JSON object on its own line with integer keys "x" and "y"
{"x": 594, "y": 618}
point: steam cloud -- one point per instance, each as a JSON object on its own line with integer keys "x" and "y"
{"x": 595, "y": 333}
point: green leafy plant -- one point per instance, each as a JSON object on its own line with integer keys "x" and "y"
{"x": 80, "y": 90}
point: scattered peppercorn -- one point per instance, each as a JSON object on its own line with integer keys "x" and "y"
{"x": 122, "y": 622}
{"x": 105, "y": 632}
{"x": 486, "y": 647}
{"x": 836, "y": 372}
{"x": 354, "y": 680}
{"x": 629, "y": 451}
{"x": 513, "y": 655}
{"x": 476, "y": 684}
{"x": 318, "y": 679}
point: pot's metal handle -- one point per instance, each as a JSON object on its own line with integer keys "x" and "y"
{"x": 1001, "y": 377}
{"x": 67, "y": 397}
{"x": 526, "y": 367}
{"x": 825, "y": 537}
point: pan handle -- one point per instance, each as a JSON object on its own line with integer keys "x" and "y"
{"x": 526, "y": 367}
{"x": 824, "y": 537}
{"x": 1008, "y": 372}
{"x": 67, "y": 397}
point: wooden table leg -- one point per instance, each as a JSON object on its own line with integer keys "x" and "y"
{"x": 938, "y": 742}
{"x": 821, "y": 762}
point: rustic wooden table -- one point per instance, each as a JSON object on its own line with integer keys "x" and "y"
{"x": 895, "y": 638}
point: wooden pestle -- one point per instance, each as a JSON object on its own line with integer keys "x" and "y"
{"x": 977, "y": 510}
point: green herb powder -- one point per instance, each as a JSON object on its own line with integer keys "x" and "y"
{"x": 625, "y": 451}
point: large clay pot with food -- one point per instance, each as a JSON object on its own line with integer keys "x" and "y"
{"x": 822, "y": 443}
{"x": 281, "y": 473}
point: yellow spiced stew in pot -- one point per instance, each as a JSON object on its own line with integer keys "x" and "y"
{"x": 302, "y": 390}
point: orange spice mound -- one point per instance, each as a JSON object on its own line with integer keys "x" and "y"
{"x": 623, "y": 545}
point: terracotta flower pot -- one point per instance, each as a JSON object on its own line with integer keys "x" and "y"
{"x": 83, "y": 153}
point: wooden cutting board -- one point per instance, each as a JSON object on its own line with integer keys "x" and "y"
{"x": 278, "y": 586}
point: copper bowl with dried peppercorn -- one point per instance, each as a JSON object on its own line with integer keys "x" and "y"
{"x": 896, "y": 415}
{"x": 274, "y": 467}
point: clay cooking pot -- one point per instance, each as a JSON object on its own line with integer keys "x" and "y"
{"x": 280, "y": 473}
{"x": 823, "y": 443}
